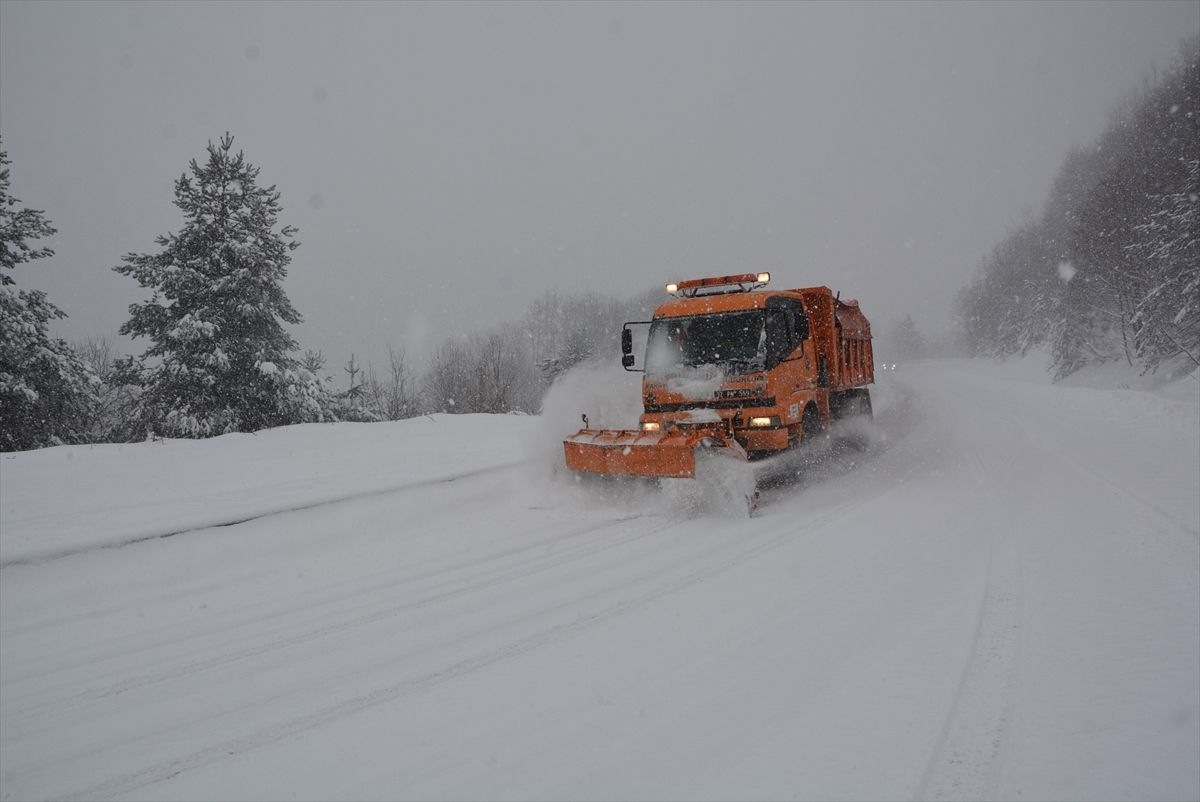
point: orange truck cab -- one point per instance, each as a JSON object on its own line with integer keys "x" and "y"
{"x": 731, "y": 365}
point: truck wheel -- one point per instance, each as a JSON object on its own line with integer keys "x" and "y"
{"x": 855, "y": 430}
{"x": 864, "y": 405}
{"x": 810, "y": 425}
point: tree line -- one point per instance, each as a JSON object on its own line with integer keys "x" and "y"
{"x": 1111, "y": 268}
{"x": 219, "y": 358}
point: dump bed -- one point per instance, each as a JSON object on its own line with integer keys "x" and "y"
{"x": 842, "y": 335}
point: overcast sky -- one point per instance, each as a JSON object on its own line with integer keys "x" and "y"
{"x": 446, "y": 163}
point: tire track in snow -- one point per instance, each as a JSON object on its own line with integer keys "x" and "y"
{"x": 965, "y": 762}
{"x": 391, "y": 577}
{"x": 1182, "y": 534}
{"x": 970, "y": 748}
{"x": 60, "y": 554}
{"x": 970, "y": 751}
{"x": 713, "y": 562}
{"x": 493, "y": 577}
{"x": 1177, "y": 532}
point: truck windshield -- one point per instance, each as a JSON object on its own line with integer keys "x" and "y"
{"x": 729, "y": 342}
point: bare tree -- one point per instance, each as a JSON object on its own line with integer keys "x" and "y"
{"x": 115, "y": 416}
{"x": 99, "y": 352}
{"x": 565, "y": 330}
{"x": 491, "y": 372}
{"x": 447, "y": 383}
{"x": 395, "y": 396}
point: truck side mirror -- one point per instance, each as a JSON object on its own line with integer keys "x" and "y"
{"x": 626, "y": 345}
{"x": 627, "y": 361}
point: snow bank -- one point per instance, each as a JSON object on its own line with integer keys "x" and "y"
{"x": 72, "y": 498}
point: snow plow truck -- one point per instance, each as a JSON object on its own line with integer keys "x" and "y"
{"x": 733, "y": 367}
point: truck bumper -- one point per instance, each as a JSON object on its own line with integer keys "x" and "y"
{"x": 766, "y": 439}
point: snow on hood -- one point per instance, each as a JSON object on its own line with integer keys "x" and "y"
{"x": 699, "y": 384}
{"x": 701, "y": 416}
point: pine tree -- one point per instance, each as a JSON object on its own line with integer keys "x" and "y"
{"x": 46, "y": 393}
{"x": 219, "y": 355}
{"x": 907, "y": 341}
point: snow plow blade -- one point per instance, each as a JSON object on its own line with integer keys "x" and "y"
{"x": 618, "y": 452}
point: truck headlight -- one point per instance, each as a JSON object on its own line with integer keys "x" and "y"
{"x": 651, "y": 426}
{"x": 764, "y": 422}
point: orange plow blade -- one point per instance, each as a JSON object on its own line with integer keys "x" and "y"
{"x": 618, "y": 452}
{"x": 632, "y": 453}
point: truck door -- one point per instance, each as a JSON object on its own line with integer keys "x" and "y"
{"x": 788, "y": 361}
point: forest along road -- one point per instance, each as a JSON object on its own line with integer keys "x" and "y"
{"x": 999, "y": 598}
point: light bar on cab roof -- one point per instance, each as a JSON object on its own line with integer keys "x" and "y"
{"x": 720, "y": 285}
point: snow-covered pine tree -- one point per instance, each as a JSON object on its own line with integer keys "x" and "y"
{"x": 1110, "y": 270}
{"x": 46, "y": 393}
{"x": 1169, "y": 313}
{"x": 1129, "y": 244}
{"x": 219, "y": 355}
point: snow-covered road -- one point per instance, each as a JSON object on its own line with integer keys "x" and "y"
{"x": 1001, "y": 598}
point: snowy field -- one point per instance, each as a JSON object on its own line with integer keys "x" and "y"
{"x": 999, "y": 598}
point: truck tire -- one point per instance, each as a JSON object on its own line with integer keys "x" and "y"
{"x": 855, "y": 429}
{"x": 864, "y": 404}
{"x": 810, "y": 425}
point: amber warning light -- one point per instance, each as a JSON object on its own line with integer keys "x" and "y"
{"x": 743, "y": 282}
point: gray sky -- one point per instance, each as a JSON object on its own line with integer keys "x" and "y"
{"x": 446, "y": 163}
